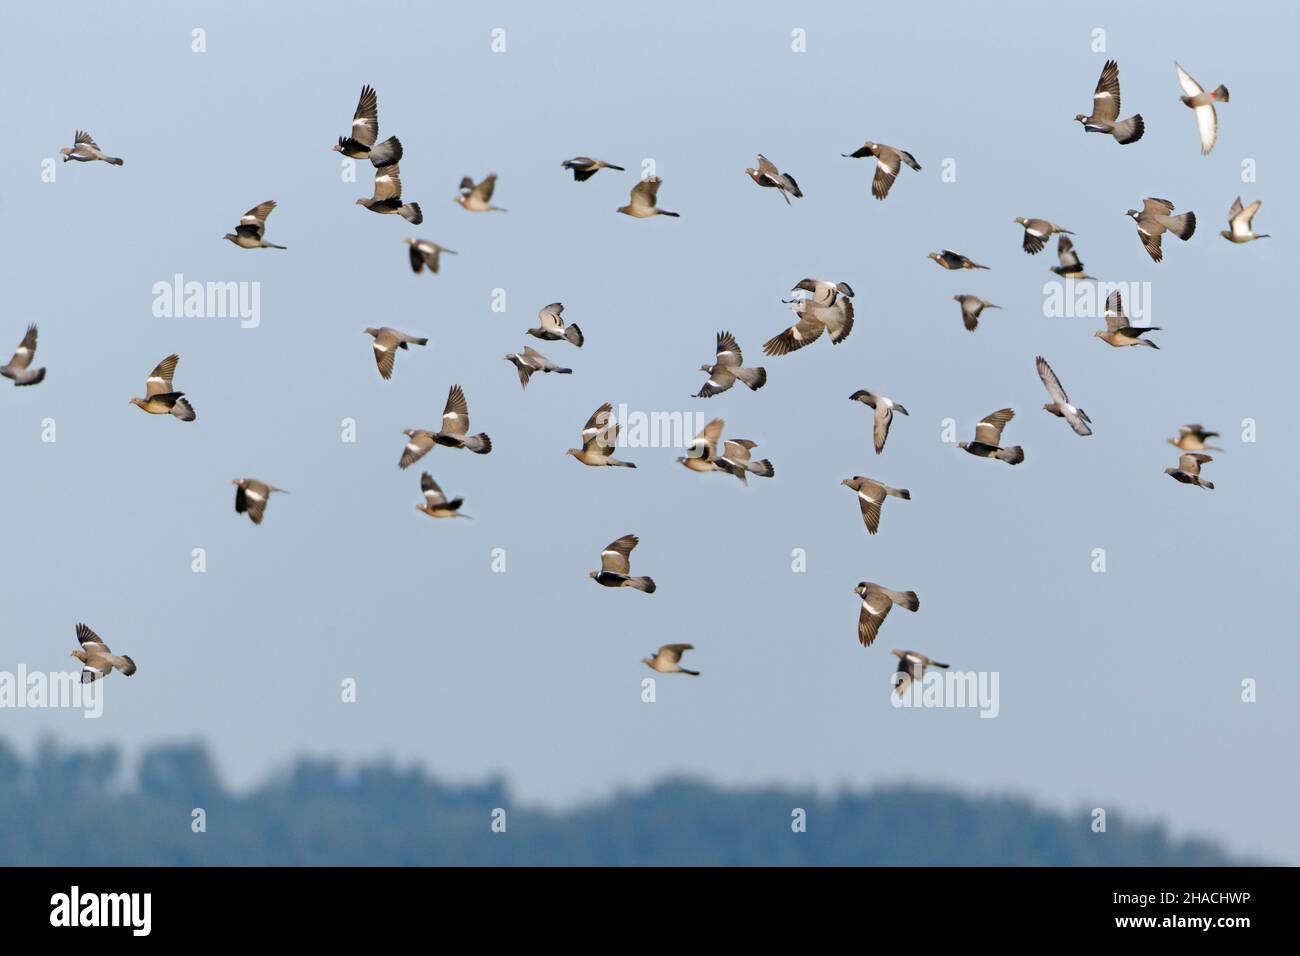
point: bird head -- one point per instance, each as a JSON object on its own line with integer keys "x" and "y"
{"x": 1100, "y": 335}
{"x": 230, "y": 236}
{"x": 1225, "y": 233}
{"x": 1171, "y": 471}
{"x": 373, "y": 333}
{"x": 410, "y": 242}
{"x": 963, "y": 444}
{"x": 682, "y": 459}
{"x": 933, "y": 255}
{"x": 861, "y": 589}
{"x": 336, "y": 148}
{"x": 706, "y": 368}
{"x": 575, "y": 452}
{"x": 1048, "y": 408}
{"x": 593, "y": 574}
{"x": 1132, "y": 213}
{"x": 847, "y": 481}
{"x": 136, "y": 401}
{"x": 648, "y": 661}
{"x": 409, "y": 432}
{"x": 360, "y": 202}
{"x": 66, "y": 151}
{"x": 1020, "y": 220}
{"x": 1081, "y": 118}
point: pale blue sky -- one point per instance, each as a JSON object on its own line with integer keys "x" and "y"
{"x": 1118, "y": 690}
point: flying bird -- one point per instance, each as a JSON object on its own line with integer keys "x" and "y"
{"x": 1192, "y": 438}
{"x": 552, "y": 327}
{"x": 877, "y": 602}
{"x": 822, "y": 291}
{"x": 1070, "y": 265}
{"x": 1189, "y": 470}
{"x": 871, "y": 495}
{"x": 888, "y": 164}
{"x": 728, "y": 369}
{"x": 953, "y": 260}
{"x": 1239, "y": 222}
{"x": 1105, "y": 110}
{"x": 615, "y": 568}
{"x": 18, "y": 369}
{"x": 667, "y": 659}
{"x": 734, "y": 460}
{"x": 387, "y": 342}
{"x": 531, "y": 361}
{"x": 1155, "y": 219}
{"x": 1060, "y": 405}
{"x": 97, "y": 660}
{"x": 814, "y": 318}
{"x": 387, "y": 199}
{"x": 1038, "y": 232}
{"x": 768, "y": 176}
{"x": 885, "y": 408}
{"x": 365, "y": 130}
{"x": 251, "y": 496}
{"x": 425, "y": 253}
{"x": 478, "y": 198}
{"x": 584, "y": 167}
{"x": 1119, "y": 332}
{"x": 436, "y": 504}
{"x": 252, "y": 227}
{"x": 85, "y": 150}
{"x": 971, "y": 308}
{"x": 911, "y": 667}
{"x": 598, "y": 440}
{"x": 453, "y": 434}
{"x": 644, "y": 201}
{"x": 160, "y": 396}
{"x": 1202, "y": 104}
{"x": 988, "y": 436}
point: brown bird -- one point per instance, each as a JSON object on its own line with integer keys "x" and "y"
{"x": 387, "y": 199}
{"x": 84, "y": 150}
{"x": 387, "y": 342}
{"x": 1037, "y": 232}
{"x": 767, "y": 175}
{"x": 436, "y": 504}
{"x": 1060, "y": 405}
{"x": 643, "y": 203}
{"x": 478, "y": 198}
{"x": 425, "y": 253}
{"x": 888, "y": 164}
{"x": 885, "y": 408}
{"x": 584, "y": 167}
{"x": 251, "y": 496}
{"x": 531, "y": 361}
{"x": 1070, "y": 266}
{"x": 1155, "y": 220}
{"x": 988, "y": 435}
{"x": 877, "y": 602}
{"x": 667, "y": 658}
{"x": 911, "y": 667}
{"x": 971, "y": 308}
{"x": 1189, "y": 470}
{"x": 735, "y": 460}
{"x": 871, "y": 495}
{"x": 1118, "y": 330}
{"x": 599, "y": 438}
{"x": 1105, "y": 110}
{"x": 160, "y": 397}
{"x": 703, "y": 456}
{"x": 953, "y": 260}
{"x": 615, "y": 568}
{"x": 252, "y": 227}
{"x": 821, "y": 291}
{"x": 454, "y": 432}
{"x": 365, "y": 130}
{"x": 1239, "y": 222}
{"x": 727, "y": 370}
{"x": 552, "y": 327}
{"x": 814, "y": 318}
{"x": 97, "y": 660}
{"x": 18, "y": 370}
{"x": 1192, "y": 438}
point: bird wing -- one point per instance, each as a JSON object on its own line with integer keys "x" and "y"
{"x": 808, "y": 329}
{"x": 160, "y": 379}
{"x": 871, "y": 495}
{"x": 768, "y": 169}
{"x": 86, "y": 636}
{"x": 26, "y": 350}
{"x": 365, "y": 121}
{"x": 971, "y": 306}
{"x": 875, "y": 608}
{"x": 597, "y": 424}
{"x": 705, "y": 444}
{"x": 483, "y": 191}
{"x": 388, "y": 183}
{"x": 989, "y": 430}
{"x": 83, "y": 137}
{"x": 1190, "y": 464}
{"x": 550, "y": 317}
{"x": 727, "y": 349}
{"x": 258, "y": 214}
{"x": 884, "y": 415}
{"x": 455, "y": 416}
{"x": 737, "y": 450}
{"x": 1235, "y": 211}
{"x": 385, "y": 346}
{"x": 433, "y": 495}
{"x": 1115, "y": 317}
{"x": 1066, "y": 255}
{"x": 1156, "y": 207}
{"x": 646, "y": 193}
{"x": 1105, "y": 100}
{"x": 1189, "y": 85}
{"x": 887, "y": 166}
{"x": 673, "y": 652}
{"x": 416, "y": 448}
{"x": 1050, "y": 381}
{"x": 615, "y": 556}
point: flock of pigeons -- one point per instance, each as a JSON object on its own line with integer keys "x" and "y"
{"x": 823, "y": 307}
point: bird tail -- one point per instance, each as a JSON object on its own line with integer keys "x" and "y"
{"x": 1149, "y": 344}
{"x": 1012, "y": 456}
{"x": 387, "y": 152}
{"x": 1207, "y": 484}
{"x": 272, "y": 245}
{"x": 479, "y": 444}
{"x": 761, "y": 468}
{"x": 937, "y": 664}
{"x": 562, "y": 371}
{"x": 183, "y": 410}
{"x": 683, "y": 670}
{"x": 35, "y": 378}
{"x": 1221, "y": 94}
{"x": 1182, "y": 226}
{"x": 574, "y": 334}
{"x": 620, "y": 464}
{"x": 902, "y": 493}
{"x": 755, "y": 378}
{"x": 117, "y": 162}
{"x": 417, "y": 342}
{"x": 910, "y": 601}
{"x": 1130, "y": 130}
{"x": 411, "y": 213}
{"x": 643, "y": 583}
{"x": 665, "y": 212}
{"x": 125, "y": 665}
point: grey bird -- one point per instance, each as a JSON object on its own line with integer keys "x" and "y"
{"x": 251, "y": 496}
{"x": 821, "y": 291}
{"x": 871, "y": 495}
{"x": 877, "y": 602}
{"x": 768, "y": 176}
{"x": 1239, "y": 222}
{"x": 1189, "y": 470}
{"x": 453, "y": 434}
{"x": 735, "y": 460}
{"x": 953, "y": 260}
{"x": 988, "y": 438}
{"x": 477, "y": 197}
{"x": 387, "y": 199}
{"x": 889, "y": 162}
{"x": 249, "y": 234}
{"x": 1060, "y": 405}
{"x": 424, "y": 254}
{"x": 97, "y": 661}
{"x": 704, "y": 455}
{"x": 19, "y": 369}
{"x": 1071, "y": 267}
{"x": 552, "y": 327}
{"x": 1155, "y": 220}
{"x": 1192, "y": 438}
{"x": 667, "y": 659}
{"x": 1202, "y": 104}
{"x": 436, "y": 504}
{"x": 584, "y": 167}
{"x": 1119, "y": 332}
{"x": 85, "y": 150}
{"x": 531, "y": 361}
{"x": 911, "y": 667}
{"x": 599, "y": 438}
{"x": 644, "y": 201}
{"x": 728, "y": 369}
{"x": 1038, "y": 232}
{"x": 365, "y": 130}
{"x": 971, "y": 308}
{"x": 885, "y": 408}
{"x": 387, "y": 342}
{"x": 1105, "y": 110}
{"x": 814, "y": 319}
{"x": 615, "y": 567}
